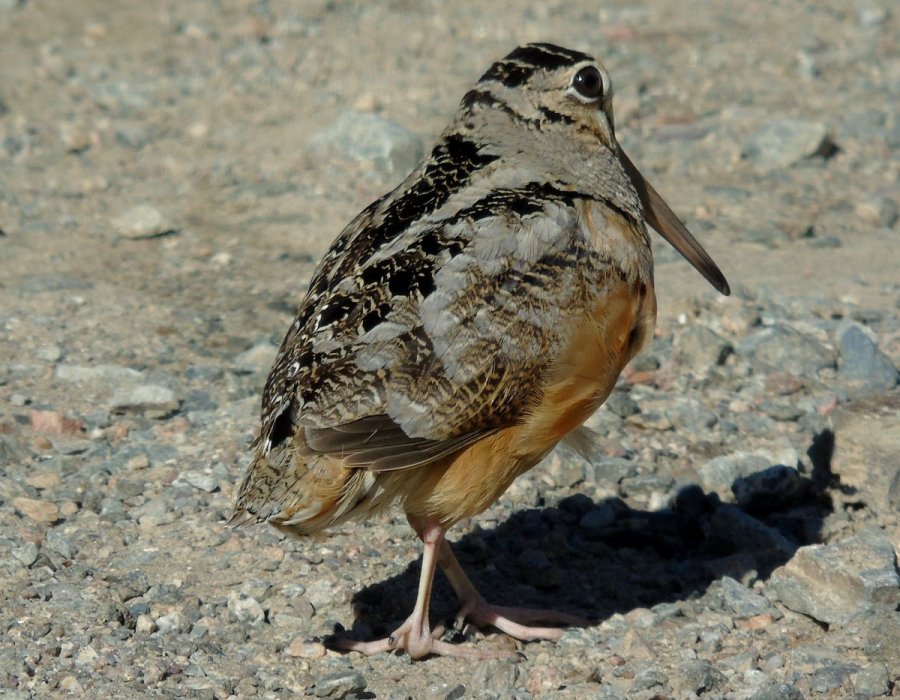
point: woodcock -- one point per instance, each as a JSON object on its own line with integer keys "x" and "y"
{"x": 465, "y": 323}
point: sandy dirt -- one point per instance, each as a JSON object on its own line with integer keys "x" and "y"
{"x": 212, "y": 114}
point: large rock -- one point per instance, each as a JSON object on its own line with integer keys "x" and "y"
{"x": 259, "y": 358}
{"x": 836, "y": 583}
{"x": 865, "y": 369}
{"x": 105, "y": 375}
{"x": 697, "y": 677}
{"x": 769, "y": 489}
{"x": 721, "y": 474}
{"x": 700, "y": 348}
{"x": 784, "y": 349}
{"x": 142, "y": 221}
{"x": 389, "y": 148}
{"x": 152, "y": 400}
{"x": 866, "y": 449}
{"x": 785, "y": 141}
{"x": 731, "y": 530}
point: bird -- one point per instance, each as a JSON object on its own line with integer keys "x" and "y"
{"x": 464, "y": 324}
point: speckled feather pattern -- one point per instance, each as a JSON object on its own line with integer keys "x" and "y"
{"x": 437, "y": 315}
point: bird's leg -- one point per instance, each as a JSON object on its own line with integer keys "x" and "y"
{"x": 415, "y": 636}
{"x": 513, "y": 621}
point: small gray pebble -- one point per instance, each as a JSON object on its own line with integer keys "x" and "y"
{"x": 733, "y": 530}
{"x": 645, "y": 362}
{"x": 741, "y": 600}
{"x": 609, "y": 471}
{"x": 882, "y": 638}
{"x": 456, "y": 692}
{"x": 787, "y": 350}
{"x": 873, "y": 680}
{"x": 777, "y": 691}
{"x": 831, "y": 677}
{"x": 785, "y": 141}
{"x": 49, "y": 353}
{"x": 112, "y": 510}
{"x": 689, "y": 414}
{"x": 40, "y": 631}
{"x": 864, "y": 368}
{"x": 75, "y": 136}
{"x": 720, "y": 473}
{"x": 107, "y": 374}
{"x": 149, "y": 399}
{"x": 175, "y": 621}
{"x": 701, "y": 348}
{"x": 770, "y": 237}
{"x": 769, "y": 489}
{"x": 782, "y": 409}
{"x": 621, "y": 403}
{"x": 871, "y": 16}
{"x": 648, "y": 678}
{"x": 56, "y": 542}
{"x": 142, "y": 221}
{"x": 608, "y": 691}
{"x": 390, "y": 148}
{"x": 666, "y": 611}
{"x": 132, "y": 585}
{"x": 201, "y": 481}
{"x": 827, "y": 241}
{"x": 647, "y": 488}
{"x": 19, "y": 400}
{"x": 133, "y": 136}
{"x": 598, "y": 518}
{"x": 259, "y": 358}
{"x": 878, "y": 211}
{"x": 154, "y": 513}
{"x": 204, "y": 373}
{"x": 807, "y": 66}
{"x": 256, "y": 588}
{"x": 245, "y": 608}
{"x": 139, "y": 608}
{"x": 537, "y": 570}
{"x": 340, "y": 684}
{"x": 698, "y": 676}
{"x": 499, "y": 676}
{"x": 26, "y": 553}
{"x": 129, "y": 488}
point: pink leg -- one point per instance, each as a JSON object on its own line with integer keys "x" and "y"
{"x": 512, "y": 621}
{"x": 415, "y": 636}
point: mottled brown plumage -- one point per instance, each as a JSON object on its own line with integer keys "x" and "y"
{"x": 465, "y": 323}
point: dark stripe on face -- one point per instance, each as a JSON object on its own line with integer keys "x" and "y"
{"x": 547, "y": 56}
{"x": 484, "y": 99}
{"x": 517, "y": 68}
{"x": 556, "y": 117}
{"x": 509, "y": 74}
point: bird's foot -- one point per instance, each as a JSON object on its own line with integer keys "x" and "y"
{"x": 418, "y": 641}
{"x": 516, "y": 622}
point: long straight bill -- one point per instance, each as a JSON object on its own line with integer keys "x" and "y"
{"x": 658, "y": 214}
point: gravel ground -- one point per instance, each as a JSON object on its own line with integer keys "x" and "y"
{"x": 169, "y": 174}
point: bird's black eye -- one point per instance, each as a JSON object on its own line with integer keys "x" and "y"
{"x": 588, "y": 83}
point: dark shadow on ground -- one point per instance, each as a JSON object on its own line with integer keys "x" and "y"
{"x": 597, "y": 558}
